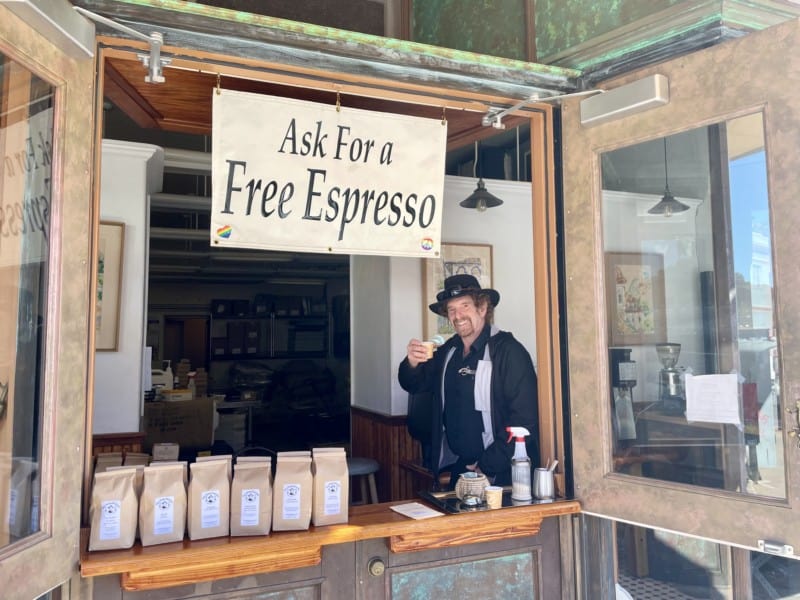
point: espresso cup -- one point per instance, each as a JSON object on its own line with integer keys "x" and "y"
{"x": 494, "y": 496}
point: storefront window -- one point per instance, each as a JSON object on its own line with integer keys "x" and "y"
{"x": 692, "y": 338}
{"x": 26, "y": 133}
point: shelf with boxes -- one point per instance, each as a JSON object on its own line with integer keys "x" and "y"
{"x": 270, "y": 327}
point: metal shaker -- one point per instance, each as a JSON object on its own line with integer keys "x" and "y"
{"x": 543, "y": 484}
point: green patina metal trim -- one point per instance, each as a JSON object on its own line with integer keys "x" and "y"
{"x": 664, "y": 37}
{"x": 350, "y": 37}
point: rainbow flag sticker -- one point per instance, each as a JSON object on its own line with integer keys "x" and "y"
{"x": 427, "y": 244}
{"x": 225, "y": 231}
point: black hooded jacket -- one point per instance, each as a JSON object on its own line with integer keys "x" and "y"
{"x": 514, "y": 402}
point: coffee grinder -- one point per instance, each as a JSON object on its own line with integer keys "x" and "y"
{"x": 670, "y": 382}
{"x": 623, "y": 380}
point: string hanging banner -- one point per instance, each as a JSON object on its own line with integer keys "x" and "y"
{"x": 306, "y": 177}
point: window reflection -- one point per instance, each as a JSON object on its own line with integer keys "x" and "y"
{"x": 26, "y": 130}
{"x": 693, "y": 346}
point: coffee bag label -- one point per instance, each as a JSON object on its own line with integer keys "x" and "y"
{"x": 251, "y": 505}
{"x": 333, "y": 497}
{"x": 291, "y": 501}
{"x": 110, "y": 520}
{"x": 210, "y": 511}
{"x": 164, "y": 515}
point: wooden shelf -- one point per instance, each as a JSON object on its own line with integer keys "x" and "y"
{"x": 165, "y": 565}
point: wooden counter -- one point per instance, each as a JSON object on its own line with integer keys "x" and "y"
{"x": 167, "y": 565}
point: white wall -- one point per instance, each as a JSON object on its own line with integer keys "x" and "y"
{"x": 129, "y": 172}
{"x": 387, "y": 303}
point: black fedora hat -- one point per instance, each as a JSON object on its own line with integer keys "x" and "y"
{"x": 460, "y": 285}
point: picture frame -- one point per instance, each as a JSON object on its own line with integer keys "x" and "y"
{"x": 474, "y": 259}
{"x": 635, "y": 299}
{"x": 110, "y": 249}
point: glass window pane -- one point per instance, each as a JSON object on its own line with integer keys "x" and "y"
{"x": 26, "y": 133}
{"x": 652, "y": 563}
{"x": 774, "y": 577}
{"x": 693, "y": 344}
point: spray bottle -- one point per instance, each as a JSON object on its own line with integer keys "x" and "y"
{"x": 520, "y": 465}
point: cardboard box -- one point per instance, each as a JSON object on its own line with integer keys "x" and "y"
{"x": 177, "y": 395}
{"x": 236, "y": 338}
{"x": 189, "y": 423}
{"x": 219, "y": 346}
{"x": 166, "y": 452}
{"x": 252, "y": 337}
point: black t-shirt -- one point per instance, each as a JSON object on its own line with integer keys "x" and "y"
{"x": 463, "y": 424}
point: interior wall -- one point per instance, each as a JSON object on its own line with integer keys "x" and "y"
{"x": 129, "y": 173}
{"x": 387, "y": 299}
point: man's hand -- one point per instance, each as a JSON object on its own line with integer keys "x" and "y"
{"x": 416, "y": 353}
{"x": 475, "y": 468}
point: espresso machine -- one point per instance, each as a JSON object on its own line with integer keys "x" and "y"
{"x": 670, "y": 379}
{"x": 623, "y": 380}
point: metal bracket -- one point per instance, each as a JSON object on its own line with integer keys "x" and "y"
{"x": 153, "y": 62}
{"x": 494, "y": 116}
{"x": 776, "y": 548}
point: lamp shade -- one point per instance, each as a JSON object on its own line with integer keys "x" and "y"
{"x": 668, "y": 205}
{"x": 480, "y": 199}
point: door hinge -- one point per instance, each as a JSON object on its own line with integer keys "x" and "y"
{"x": 776, "y": 548}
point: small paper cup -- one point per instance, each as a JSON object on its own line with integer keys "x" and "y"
{"x": 494, "y": 496}
{"x": 429, "y": 348}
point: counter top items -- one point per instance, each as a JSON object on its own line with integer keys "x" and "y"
{"x": 182, "y": 373}
{"x": 451, "y": 503}
{"x": 331, "y": 487}
{"x": 520, "y": 465}
{"x": 162, "y": 507}
{"x": 251, "y": 496}
{"x": 163, "y": 378}
{"x": 190, "y": 562}
{"x": 292, "y": 491}
{"x": 415, "y": 510}
{"x": 471, "y": 484}
{"x": 114, "y": 510}
{"x": 208, "y": 506}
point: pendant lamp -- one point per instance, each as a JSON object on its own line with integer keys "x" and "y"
{"x": 480, "y": 199}
{"x": 668, "y": 204}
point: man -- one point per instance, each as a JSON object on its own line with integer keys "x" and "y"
{"x": 480, "y": 381}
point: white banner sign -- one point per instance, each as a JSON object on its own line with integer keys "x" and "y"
{"x": 304, "y": 177}
{"x": 25, "y": 184}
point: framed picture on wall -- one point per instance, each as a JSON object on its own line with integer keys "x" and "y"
{"x": 473, "y": 259}
{"x": 635, "y": 298}
{"x": 109, "y": 285}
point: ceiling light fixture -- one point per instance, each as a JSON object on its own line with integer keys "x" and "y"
{"x": 480, "y": 199}
{"x": 668, "y": 204}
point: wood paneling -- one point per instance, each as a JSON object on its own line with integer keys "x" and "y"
{"x": 386, "y": 440}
